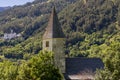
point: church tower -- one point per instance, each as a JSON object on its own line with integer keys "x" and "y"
{"x": 54, "y": 40}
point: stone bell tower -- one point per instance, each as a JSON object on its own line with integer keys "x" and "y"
{"x": 54, "y": 40}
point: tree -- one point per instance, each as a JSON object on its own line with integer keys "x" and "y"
{"x": 112, "y": 63}
{"x": 40, "y": 67}
{"x": 8, "y": 71}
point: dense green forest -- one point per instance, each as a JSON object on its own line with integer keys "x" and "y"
{"x": 92, "y": 29}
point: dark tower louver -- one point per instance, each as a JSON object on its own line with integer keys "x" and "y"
{"x": 53, "y": 29}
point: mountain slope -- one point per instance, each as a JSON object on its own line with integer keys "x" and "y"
{"x": 83, "y": 23}
{"x": 22, "y": 18}
{"x": 3, "y": 8}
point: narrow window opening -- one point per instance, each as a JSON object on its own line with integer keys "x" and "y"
{"x": 47, "y": 43}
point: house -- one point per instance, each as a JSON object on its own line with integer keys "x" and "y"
{"x": 73, "y": 68}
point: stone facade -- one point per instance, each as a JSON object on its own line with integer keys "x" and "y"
{"x": 59, "y": 54}
{"x": 56, "y": 45}
{"x": 49, "y": 47}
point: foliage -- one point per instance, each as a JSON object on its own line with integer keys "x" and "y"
{"x": 83, "y": 23}
{"x": 39, "y": 67}
{"x": 110, "y": 54}
{"x": 8, "y": 71}
{"x": 91, "y": 31}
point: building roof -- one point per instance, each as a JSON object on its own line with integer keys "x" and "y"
{"x": 53, "y": 29}
{"x": 82, "y": 66}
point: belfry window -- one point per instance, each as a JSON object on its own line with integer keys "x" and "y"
{"x": 47, "y": 43}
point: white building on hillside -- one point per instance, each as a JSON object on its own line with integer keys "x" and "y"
{"x": 11, "y": 35}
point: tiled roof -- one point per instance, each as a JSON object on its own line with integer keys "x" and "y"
{"x": 79, "y": 65}
{"x": 53, "y": 29}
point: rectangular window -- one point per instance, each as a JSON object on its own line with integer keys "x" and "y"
{"x": 47, "y": 43}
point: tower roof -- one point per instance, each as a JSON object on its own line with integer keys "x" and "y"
{"x": 53, "y": 29}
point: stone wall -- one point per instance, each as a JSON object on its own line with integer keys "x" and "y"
{"x": 56, "y": 45}
{"x": 59, "y": 54}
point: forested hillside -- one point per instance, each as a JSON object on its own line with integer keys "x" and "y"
{"x": 92, "y": 29}
{"x": 30, "y": 20}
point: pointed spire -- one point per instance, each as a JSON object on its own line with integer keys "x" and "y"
{"x": 53, "y": 29}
